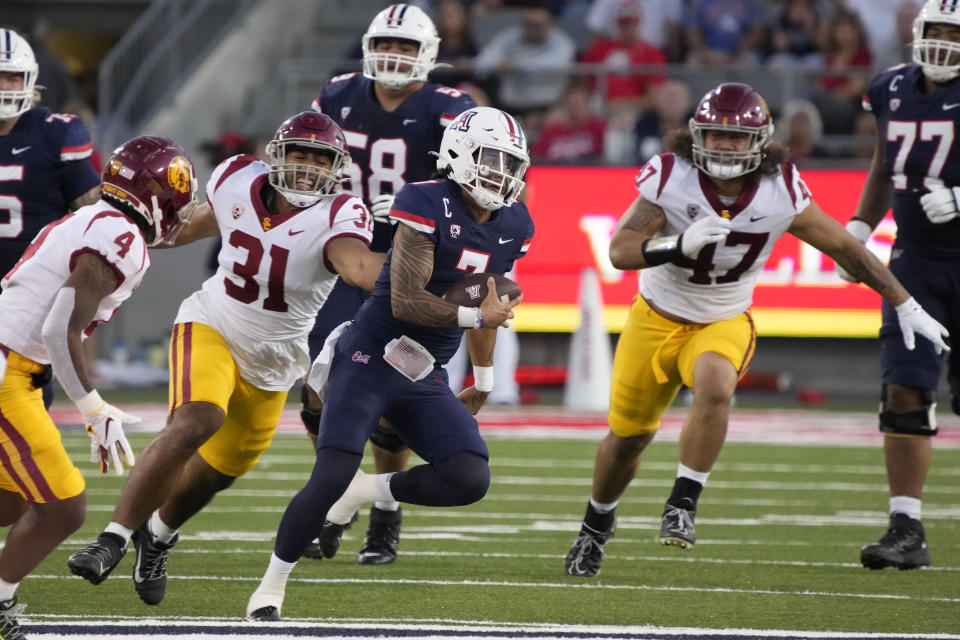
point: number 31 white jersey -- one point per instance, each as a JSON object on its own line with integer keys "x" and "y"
{"x": 273, "y": 274}
{"x": 30, "y": 288}
{"x": 718, "y": 283}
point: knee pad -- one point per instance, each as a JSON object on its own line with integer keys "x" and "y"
{"x": 310, "y": 417}
{"x": 922, "y": 422}
{"x": 468, "y": 472}
{"x": 387, "y": 438}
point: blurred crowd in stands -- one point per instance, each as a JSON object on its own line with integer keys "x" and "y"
{"x": 600, "y": 81}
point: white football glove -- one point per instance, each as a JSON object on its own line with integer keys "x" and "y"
{"x": 105, "y": 425}
{"x": 913, "y": 319}
{"x": 703, "y": 232}
{"x": 860, "y": 230}
{"x": 380, "y": 208}
{"x": 941, "y": 204}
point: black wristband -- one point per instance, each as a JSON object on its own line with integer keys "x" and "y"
{"x": 657, "y": 251}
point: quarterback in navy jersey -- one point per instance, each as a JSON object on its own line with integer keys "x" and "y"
{"x": 393, "y": 119}
{"x": 916, "y": 168}
{"x": 388, "y": 361}
{"x": 45, "y": 170}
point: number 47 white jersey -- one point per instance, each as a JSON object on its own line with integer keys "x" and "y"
{"x": 718, "y": 283}
{"x": 273, "y": 274}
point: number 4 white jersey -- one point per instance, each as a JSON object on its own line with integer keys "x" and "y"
{"x": 273, "y": 274}
{"x": 30, "y": 287}
{"x": 718, "y": 283}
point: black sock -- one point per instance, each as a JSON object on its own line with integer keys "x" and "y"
{"x": 598, "y": 521}
{"x": 685, "y": 488}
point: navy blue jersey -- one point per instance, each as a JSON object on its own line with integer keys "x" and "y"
{"x": 44, "y": 166}
{"x": 437, "y": 209}
{"x": 922, "y": 148}
{"x": 389, "y": 148}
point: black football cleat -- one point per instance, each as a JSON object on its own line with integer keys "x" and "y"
{"x": 903, "y": 546}
{"x": 328, "y": 543}
{"x": 264, "y": 614}
{"x": 10, "y": 628}
{"x": 150, "y": 569}
{"x": 676, "y": 524}
{"x": 383, "y": 537}
{"x": 586, "y": 553}
{"x": 96, "y": 560}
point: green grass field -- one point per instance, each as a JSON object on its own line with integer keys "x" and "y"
{"x": 779, "y": 529}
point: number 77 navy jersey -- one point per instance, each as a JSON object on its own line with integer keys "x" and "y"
{"x": 921, "y": 150}
{"x": 438, "y": 210}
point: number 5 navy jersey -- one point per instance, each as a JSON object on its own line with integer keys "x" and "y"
{"x": 437, "y": 209}
{"x": 44, "y": 166}
{"x": 920, "y": 130}
{"x": 389, "y": 148}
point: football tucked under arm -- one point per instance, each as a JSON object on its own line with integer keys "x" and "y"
{"x": 471, "y": 290}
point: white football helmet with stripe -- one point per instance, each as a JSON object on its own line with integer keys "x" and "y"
{"x": 485, "y": 151}
{"x": 940, "y": 59}
{"x": 16, "y": 56}
{"x": 405, "y": 22}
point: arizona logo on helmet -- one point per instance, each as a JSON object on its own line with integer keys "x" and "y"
{"x": 463, "y": 122}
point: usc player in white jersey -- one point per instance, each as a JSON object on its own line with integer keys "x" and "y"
{"x": 240, "y": 342}
{"x": 75, "y": 273}
{"x": 706, "y": 218}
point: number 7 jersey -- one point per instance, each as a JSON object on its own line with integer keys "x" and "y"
{"x": 718, "y": 283}
{"x": 273, "y": 274}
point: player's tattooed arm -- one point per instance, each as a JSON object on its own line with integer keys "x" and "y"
{"x": 637, "y": 225}
{"x": 410, "y": 270}
{"x": 90, "y": 197}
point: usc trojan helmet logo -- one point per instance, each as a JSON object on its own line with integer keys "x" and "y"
{"x": 180, "y": 174}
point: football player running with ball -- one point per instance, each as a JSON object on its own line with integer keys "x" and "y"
{"x": 389, "y": 361}
{"x": 240, "y": 342}
{"x": 915, "y": 169}
{"x": 393, "y": 119}
{"x": 75, "y": 274}
{"x": 707, "y": 216}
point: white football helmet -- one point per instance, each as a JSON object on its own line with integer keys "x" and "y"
{"x": 485, "y": 151}
{"x": 16, "y": 56}
{"x": 406, "y": 22}
{"x": 940, "y": 59}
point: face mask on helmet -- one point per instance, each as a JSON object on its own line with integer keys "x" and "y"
{"x": 939, "y": 57}
{"x": 301, "y": 182}
{"x": 151, "y": 179}
{"x": 392, "y": 69}
{"x": 17, "y": 57}
{"x": 731, "y": 107}
{"x": 485, "y": 151}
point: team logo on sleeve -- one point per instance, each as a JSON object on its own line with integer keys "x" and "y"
{"x": 455, "y": 230}
{"x": 179, "y": 174}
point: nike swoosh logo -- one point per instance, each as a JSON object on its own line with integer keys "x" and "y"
{"x": 136, "y": 571}
{"x": 407, "y": 121}
{"x": 293, "y": 233}
{"x": 950, "y": 105}
{"x": 15, "y": 151}
{"x": 502, "y": 241}
{"x": 752, "y": 219}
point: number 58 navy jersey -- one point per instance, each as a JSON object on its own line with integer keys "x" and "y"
{"x": 44, "y": 166}
{"x": 438, "y": 210}
{"x": 922, "y": 148}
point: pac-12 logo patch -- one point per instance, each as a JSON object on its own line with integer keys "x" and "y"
{"x": 236, "y": 210}
{"x": 455, "y": 231}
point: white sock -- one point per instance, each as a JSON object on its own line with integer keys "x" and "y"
{"x": 8, "y": 589}
{"x": 601, "y": 507}
{"x": 384, "y": 495}
{"x": 907, "y": 505}
{"x": 272, "y": 586}
{"x": 683, "y": 471}
{"x": 385, "y": 505}
{"x": 118, "y": 529}
{"x": 160, "y": 530}
{"x": 363, "y": 488}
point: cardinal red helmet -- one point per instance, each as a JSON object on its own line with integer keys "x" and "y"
{"x": 732, "y": 106}
{"x": 304, "y": 184}
{"x": 151, "y": 178}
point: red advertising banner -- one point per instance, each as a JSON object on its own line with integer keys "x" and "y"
{"x": 577, "y": 208}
